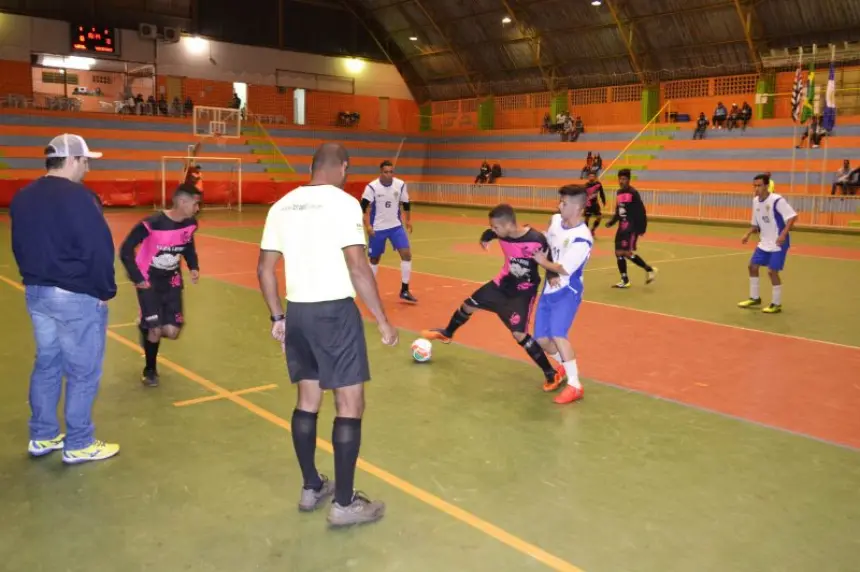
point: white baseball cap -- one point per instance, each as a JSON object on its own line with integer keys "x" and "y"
{"x": 69, "y": 145}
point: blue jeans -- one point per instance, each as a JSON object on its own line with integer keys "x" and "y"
{"x": 70, "y": 331}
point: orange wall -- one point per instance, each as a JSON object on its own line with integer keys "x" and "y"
{"x": 15, "y": 78}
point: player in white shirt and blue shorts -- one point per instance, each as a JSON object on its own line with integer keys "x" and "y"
{"x": 773, "y": 219}
{"x": 383, "y": 223}
{"x": 570, "y": 244}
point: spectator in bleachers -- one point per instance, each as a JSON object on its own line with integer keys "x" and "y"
{"x": 701, "y": 127}
{"x": 597, "y": 164}
{"x": 578, "y": 129}
{"x": 814, "y": 132}
{"x": 734, "y": 117}
{"x": 236, "y": 102}
{"x": 841, "y": 177}
{"x": 151, "y": 105}
{"x": 188, "y": 109}
{"x": 852, "y": 183}
{"x": 586, "y": 169}
{"x": 746, "y": 115}
{"x": 163, "y": 108}
{"x": 567, "y": 128}
{"x": 720, "y": 115}
{"x": 483, "y": 174}
{"x": 547, "y": 124}
{"x": 495, "y": 173}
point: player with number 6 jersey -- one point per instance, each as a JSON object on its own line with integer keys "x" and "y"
{"x": 383, "y": 222}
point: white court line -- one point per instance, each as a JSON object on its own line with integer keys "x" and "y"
{"x": 617, "y": 306}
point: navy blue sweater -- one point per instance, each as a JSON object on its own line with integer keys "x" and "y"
{"x": 61, "y": 238}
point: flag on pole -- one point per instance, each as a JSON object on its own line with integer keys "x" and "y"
{"x": 809, "y": 99}
{"x": 829, "y": 120}
{"x": 797, "y": 95}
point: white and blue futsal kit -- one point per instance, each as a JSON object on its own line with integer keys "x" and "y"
{"x": 385, "y": 218}
{"x": 771, "y": 217}
{"x": 559, "y": 303}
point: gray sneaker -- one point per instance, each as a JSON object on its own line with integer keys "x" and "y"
{"x": 312, "y": 500}
{"x": 361, "y": 511}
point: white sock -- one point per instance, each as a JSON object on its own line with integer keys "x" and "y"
{"x": 572, "y": 373}
{"x": 557, "y": 357}
{"x": 777, "y": 294}
{"x": 374, "y": 268}
{"x": 405, "y": 271}
{"x": 754, "y": 287}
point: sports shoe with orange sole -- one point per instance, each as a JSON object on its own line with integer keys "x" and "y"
{"x": 437, "y": 335}
{"x": 569, "y": 394}
{"x": 560, "y": 377}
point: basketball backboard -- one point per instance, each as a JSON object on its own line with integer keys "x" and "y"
{"x": 217, "y": 122}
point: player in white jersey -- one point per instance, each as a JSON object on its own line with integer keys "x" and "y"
{"x": 570, "y": 244}
{"x": 773, "y": 219}
{"x": 385, "y": 196}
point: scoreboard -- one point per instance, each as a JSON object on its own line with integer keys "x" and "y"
{"x": 90, "y": 39}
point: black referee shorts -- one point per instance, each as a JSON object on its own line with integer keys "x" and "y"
{"x": 325, "y": 341}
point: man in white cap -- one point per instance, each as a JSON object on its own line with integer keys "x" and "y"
{"x": 65, "y": 254}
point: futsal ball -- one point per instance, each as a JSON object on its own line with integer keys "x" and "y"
{"x": 422, "y": 350}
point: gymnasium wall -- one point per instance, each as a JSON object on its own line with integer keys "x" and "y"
{"x": 207, "y": 75}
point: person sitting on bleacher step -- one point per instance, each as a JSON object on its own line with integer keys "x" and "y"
{"x": 746, "y": 115}
{"x": 734, "y": 117}
{"x": 720, "y": 114}
{"x": 701, "y": 127}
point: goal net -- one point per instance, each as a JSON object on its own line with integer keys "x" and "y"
{"x": 220, "y": 179}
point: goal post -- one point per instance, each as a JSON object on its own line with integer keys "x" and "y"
{"x": 221, "y": 180}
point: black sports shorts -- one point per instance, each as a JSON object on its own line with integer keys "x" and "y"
{"x": 592, "y": 209}
{"x": 626, "y": 240}
{"x": 325, "y": 341}
{"x": 160, "y": 305}
{"x": 514, "y": 310}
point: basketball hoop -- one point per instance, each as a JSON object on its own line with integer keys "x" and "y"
{"x": 219, "y": 141}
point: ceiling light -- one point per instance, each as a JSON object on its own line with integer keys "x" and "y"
{"x": 354, "y": 65}
{"x": 70, "y": 62}
{"x": 596, "y": 2}
{"x": 506, "y": 20}
{"x": 413, "y": 38}
{"x": 195, "y": 45}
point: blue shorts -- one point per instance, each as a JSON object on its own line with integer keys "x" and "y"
{"x": 773, "y": 260}
{"x": 555, "y": 313}
{"x": 397, "y": 236}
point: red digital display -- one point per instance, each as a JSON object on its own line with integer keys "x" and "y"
{"x": 94, "y": 40}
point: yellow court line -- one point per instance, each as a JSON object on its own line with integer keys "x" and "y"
{"x": 125, "y": 325}
{"x": 208, "y": 398}
{"x": 550, "y": 560}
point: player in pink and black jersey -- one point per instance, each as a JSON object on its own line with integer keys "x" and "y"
{"x": 511, "y": 294}
{"x": 151, "y": 254}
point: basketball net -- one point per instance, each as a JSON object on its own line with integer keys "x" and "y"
{"x": 220, "y": 142}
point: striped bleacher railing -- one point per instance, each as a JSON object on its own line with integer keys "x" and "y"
{"x": 814, "y": 210}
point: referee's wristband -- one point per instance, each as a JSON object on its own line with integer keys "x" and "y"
{"x": 278, "y": 318}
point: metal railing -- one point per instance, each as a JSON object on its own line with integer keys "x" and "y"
{"x": 813, "y": 210}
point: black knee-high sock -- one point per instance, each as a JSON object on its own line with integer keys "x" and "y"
{"x": 622, "y": 267}
{"x": 458, "y": 318}
{"x": 304, "y": 430}
{"x": 635, "y": 259}
{"x": 595, "y": 225}
{"x": 346, "y": 438}
{"x": 150, "y": 350}
{"x": 538, "y": 356}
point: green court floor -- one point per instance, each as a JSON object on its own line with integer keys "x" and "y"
{"x": 479, "y": 469}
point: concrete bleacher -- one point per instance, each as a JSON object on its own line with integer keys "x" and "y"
{"x": 663, "y": 158}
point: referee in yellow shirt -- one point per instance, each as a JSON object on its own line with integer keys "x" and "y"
{"x": 319, "y": 230}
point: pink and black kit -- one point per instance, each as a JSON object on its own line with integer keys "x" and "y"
{"x": 162, "y": 244}
{"x": 511, "y": 294}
